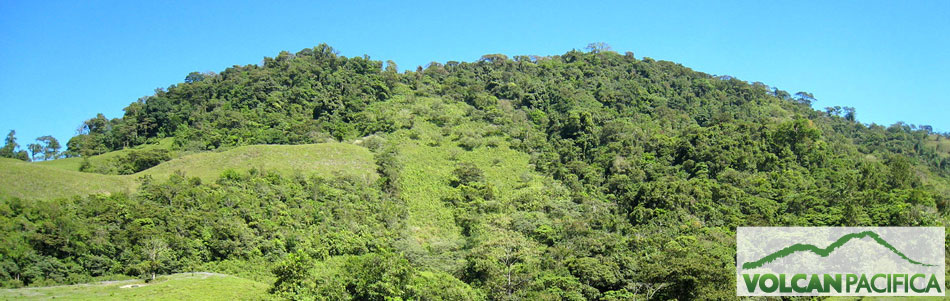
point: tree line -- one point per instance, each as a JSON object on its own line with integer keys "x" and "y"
{"x": 44, "y": 148}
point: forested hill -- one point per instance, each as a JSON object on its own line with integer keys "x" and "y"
{"x": 587, "y": 175}
{"x": 316, "y": 94}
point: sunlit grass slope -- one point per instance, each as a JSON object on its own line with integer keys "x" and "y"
{"x": 41, "y": 181}
{"x": 185, "y": 286}
{"x": 426, "y": 177}
{"x": 33, "y": 181}
{"x": 428, "y": 154}
{"x": 74, "y": 163}
{"x": 325, "y": 159}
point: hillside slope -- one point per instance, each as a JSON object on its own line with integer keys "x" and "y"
{"x": 325, "y": 159}
{"x": 587, "y": 175}
{"x": 42, "y": 181}
{"x": 34, "y": 181}
{"x": 75, "y": 163}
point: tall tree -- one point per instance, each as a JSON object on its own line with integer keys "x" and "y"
{"x": 598, "y": 47}
{"x": 156, "y": 253}
{"x": 849, "y": 113}
{"x": 805, "y": 97}
{"x": 9, "y": 145}
{"x": 50, "y": 147}
{"x": 34, "y": 149}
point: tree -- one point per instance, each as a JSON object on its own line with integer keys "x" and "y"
{"x": 503, "y": 261}
{"x": 805, "y": 97}
{"x": 901, "y": 172}
{"x": 849, "y": 113}
{"x": 97, "y": 125}
{"x": 833, "y": 111}
{"x": 156, "y": 253}
{"x": 94, "y": 137}
{"x": 9, "y": 146}
{"x": 194, "y": 77}
{"x": 75, "y": 146}
{"x": 466, "y": 174}
{"x": 493, "y": 58}
{"x": 598, "y": 47}
{"x": 34, "y": 149}
{"x": 372, "y": 276}
{"x": 11, "y": 149}
{"x": 49, "y": 147}
{"x": 391, "y": 67}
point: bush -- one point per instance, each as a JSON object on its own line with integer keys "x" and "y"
{"x": 137, "y": 161}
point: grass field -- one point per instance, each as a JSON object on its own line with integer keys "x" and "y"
{"x": 46, "y": 180}
{"x": 33, "y": 181}
{"x": 184, "y": 286}
{"x": 74, "y": 163}
{"x": 325, "y": 159}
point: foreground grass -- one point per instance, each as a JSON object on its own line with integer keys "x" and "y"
{"x": 44, "y": 181}
{"x": 184, "y": 286}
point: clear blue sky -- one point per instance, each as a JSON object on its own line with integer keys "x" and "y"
{"x": 63, "y": 62}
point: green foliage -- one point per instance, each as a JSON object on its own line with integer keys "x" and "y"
{"x": 372, "y": 276}
{"x": 427, "y": 285}
{"x": 164, "y": 228}
{"x": 467, "y": 174}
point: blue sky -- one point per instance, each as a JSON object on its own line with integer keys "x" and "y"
{"x": 63, "y": 62}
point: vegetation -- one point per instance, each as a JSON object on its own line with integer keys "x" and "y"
{"x": 589, "y": 175}
{"x": 11, "y": 149}
{"x": 46, "y": 148}
{"x": 107, "y": 163}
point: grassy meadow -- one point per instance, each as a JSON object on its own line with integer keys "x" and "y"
{"x": 52, "y": 179}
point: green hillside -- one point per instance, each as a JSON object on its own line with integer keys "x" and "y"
{"x": 34, "y": 181}
{"x": 582, "y": 176}
{"x": 326, "y": 159}
{"x": 185, "y": 286}
{"x": 429, "y": 159}
{"x": 50, "y": 179}
{"x": 75, "y": 163}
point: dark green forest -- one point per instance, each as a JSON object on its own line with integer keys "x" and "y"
{"x": 639, "y": 172}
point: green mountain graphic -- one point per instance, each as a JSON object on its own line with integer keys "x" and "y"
{"x": 826, "y": 251}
